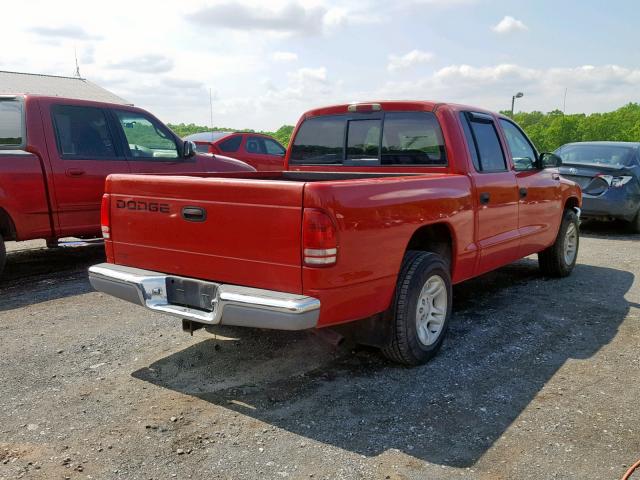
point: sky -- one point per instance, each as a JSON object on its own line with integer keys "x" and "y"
{"x": 266, "y": 62}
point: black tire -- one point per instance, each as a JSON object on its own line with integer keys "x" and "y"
{"x": 635, "y": 223}
{"x": 552, "y": 260}
{"x": 405, "y": 345}
{"x": 3, "y": 255}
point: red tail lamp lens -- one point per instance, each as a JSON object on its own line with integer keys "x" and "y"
{"x": 320, "y": 238}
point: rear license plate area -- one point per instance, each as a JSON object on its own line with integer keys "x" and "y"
{"x": 191, "y": 293}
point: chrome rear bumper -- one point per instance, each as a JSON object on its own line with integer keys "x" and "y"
{"x": 230, "y": 305}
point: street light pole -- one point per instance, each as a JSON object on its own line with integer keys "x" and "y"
{"x": 513, "y": 101}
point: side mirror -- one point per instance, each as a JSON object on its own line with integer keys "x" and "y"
{"x": 550, "y": 160}
{"x": 188, "y": 149}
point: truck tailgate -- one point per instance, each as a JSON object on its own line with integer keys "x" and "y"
{"x": 250, "y": 233}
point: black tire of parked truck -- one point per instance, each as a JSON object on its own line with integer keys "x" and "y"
{"x": 559, "y": 259}
{"x": 421, "y": 309}
{"x": 3, "y": 255}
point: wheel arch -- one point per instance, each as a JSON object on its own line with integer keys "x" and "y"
{"x": 437, "y": 238}
{"x": 571, "y": 202}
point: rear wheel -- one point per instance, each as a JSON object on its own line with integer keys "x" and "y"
{"x": 3, "y": 255}
{"x": 559, "y": 259}
{"x": 421, "y": 309}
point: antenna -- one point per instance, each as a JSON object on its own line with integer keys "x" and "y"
{"x": 77, "y": 74}
{"x": 211, "y": 107}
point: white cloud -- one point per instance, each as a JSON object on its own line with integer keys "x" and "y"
{"x": 292, "y": 18}
{"x": 309, "y": 74}
{"x": 284, "y": 56}
{"x": 590, "y": 88}
{"x": 408, "y": 60}
{"x": 150, "y": 63}
{"x": 509, "y": 25}
{"x": 72, "y": 32}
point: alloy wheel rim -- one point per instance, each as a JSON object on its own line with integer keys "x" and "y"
{"x": 570, "y": 244}
{"x": 431, "y": 310}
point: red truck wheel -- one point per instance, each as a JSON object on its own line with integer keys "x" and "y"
{"x": 3, "y": 254}
{"x": 559, "y": 259}
{"x": 422, "y": 309}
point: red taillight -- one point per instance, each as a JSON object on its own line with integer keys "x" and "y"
{"x": 105, "y": 217}
{"x": 319, "y": 238}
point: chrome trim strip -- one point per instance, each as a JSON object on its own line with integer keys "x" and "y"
{"x": 150, "y": 289}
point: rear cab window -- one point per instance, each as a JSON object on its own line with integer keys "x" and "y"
{"x": 382, "y": 139}
{"x": 12, "y": 125}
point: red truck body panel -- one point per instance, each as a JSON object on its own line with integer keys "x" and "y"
{"x": 44, "y": 194}
{"x": 254, "y": 232}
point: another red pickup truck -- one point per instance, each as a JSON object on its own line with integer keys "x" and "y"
{"x": 55, "y": 154}
{"x": 382, "y": 208}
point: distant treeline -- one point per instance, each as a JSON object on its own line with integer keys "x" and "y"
{"x": 551, "y": 130}
{"x": 547, "y": 130}
{"x": 282, "y": 134}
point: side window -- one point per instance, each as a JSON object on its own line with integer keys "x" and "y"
{"x": 82, "y": 133}
{"x": 255, "y": 145}
{"x": 363, "y": 140}
{"x": 145, "y": 138}
{"x": 202, "y": 147}
{"x": 523, "y": 154}
{"x": 273, "y": 147}
{"x": 412, "y": 138}
{"x": 11, "y": 123}
{"x": 231, "y": 145}
{"x": 488, "y": 155}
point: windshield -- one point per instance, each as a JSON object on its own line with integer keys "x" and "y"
{"x": 606, "y": 155}
{"x": 11, "y": 126}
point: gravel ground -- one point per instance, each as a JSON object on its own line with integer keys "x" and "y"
{"x": 537, "y": 379}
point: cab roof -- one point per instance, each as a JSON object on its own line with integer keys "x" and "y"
{"x": 393, "y": 105}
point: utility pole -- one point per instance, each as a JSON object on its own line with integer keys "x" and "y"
{"x": 564, "y": 102}
{"x": 211, "y": 107}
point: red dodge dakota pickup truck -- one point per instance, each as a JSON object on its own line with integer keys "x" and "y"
{"x": 382, "y": 207}
{"x": 55, "y": 154}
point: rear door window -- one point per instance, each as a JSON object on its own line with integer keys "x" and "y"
{"x": 11, "y": 123}
{"x": 83, "y": 133}
{"x": 483, "y": 141}
{"x": 231, "y": 145}
{"x": 391, "y": 139}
